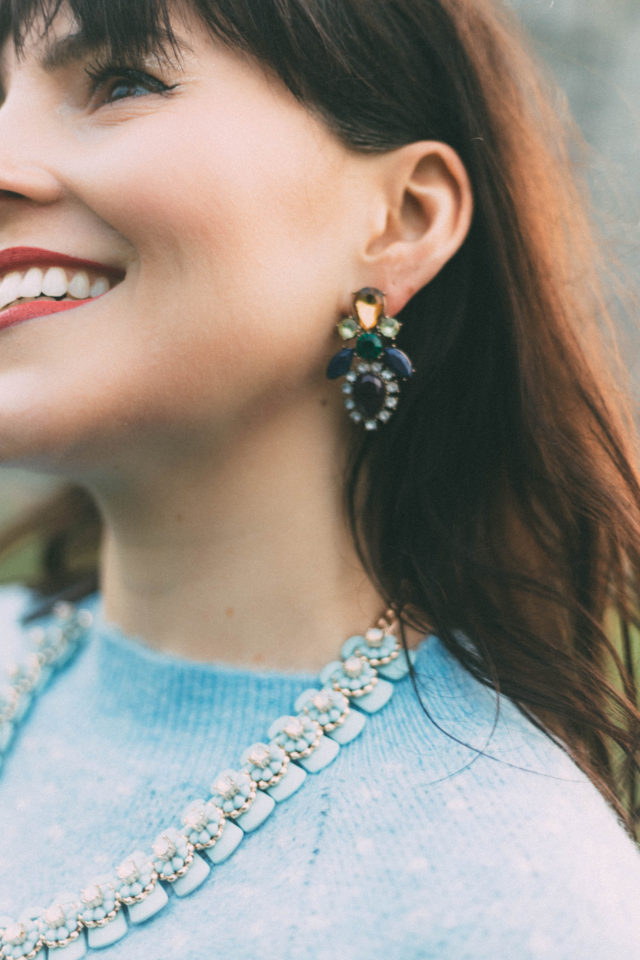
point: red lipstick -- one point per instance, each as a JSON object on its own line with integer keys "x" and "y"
{"x": 38, "y": 308}
{"x": 14, "y": 257}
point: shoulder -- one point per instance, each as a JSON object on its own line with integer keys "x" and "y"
{"x": 496, "y": 844}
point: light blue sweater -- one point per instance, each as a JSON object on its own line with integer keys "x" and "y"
{"x": 408, "y": 847}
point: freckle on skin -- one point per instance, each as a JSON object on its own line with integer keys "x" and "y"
{"x": 229, "y": 612}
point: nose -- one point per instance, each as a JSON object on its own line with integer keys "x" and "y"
{"x": 26, "y": 182}
{"x": 26, "y": 169}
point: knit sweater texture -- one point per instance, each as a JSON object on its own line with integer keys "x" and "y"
{"x": 466, "y": 836}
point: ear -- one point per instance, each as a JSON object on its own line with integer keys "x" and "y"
{"x": 422, "y": 217}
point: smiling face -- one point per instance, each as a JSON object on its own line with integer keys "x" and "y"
{"x": 219, "y": 212}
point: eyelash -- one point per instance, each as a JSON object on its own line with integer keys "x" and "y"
{"x": 100, "y": 73}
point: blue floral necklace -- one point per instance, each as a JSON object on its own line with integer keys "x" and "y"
{"x": 324, "y": 719}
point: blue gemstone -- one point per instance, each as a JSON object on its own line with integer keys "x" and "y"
{"x": 340, "y": 363}
{"x": 398, "y": 361}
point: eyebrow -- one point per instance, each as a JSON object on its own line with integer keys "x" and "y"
{"x": 65, "y": 51}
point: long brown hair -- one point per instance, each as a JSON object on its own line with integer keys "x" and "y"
{"x": 502, "y": 500}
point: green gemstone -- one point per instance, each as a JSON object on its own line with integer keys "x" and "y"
{"x": 348, "y": 328}
{"x": 369, "y": 346}
{"x": 389, "y": 327}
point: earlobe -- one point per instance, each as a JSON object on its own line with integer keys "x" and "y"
{"x": 428, "y": 209}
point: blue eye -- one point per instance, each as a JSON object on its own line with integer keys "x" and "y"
{"x": 128, "y": 88}
{"x": 119, "y": 82}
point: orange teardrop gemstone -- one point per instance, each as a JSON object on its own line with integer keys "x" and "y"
{"x": 368, "y": 306}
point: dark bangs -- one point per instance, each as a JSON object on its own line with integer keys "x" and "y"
{"x": 117, "y": 26}
{"x": 349, "y": 62}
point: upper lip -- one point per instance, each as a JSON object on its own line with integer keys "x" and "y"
{"x": 16, "y": 257}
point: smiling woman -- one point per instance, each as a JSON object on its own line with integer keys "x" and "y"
{"x": 400, "y": 641}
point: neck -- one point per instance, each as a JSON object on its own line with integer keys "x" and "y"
{"x": 242, "y": 556}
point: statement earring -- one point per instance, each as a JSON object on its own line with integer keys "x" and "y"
{"x": 371, "y": 389}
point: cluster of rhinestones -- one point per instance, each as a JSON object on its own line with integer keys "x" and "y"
{"x": 136, "y": 878}
{"x": 203, "y": 821}
{"x": 60, "y": 924}
{"x": 298, "y": 736}
{"x": 235, "y": 794}
{"x": 266, "y": 764}
{"x": 327, "y": 707}
{"x": 379, "y": 647}
{"x": 371, "y": 388}
{"x": 98, "y": 904}
{"x": 354, "y": 677}
{"x": 370, "y": 394}
{"x": 173, "y": 855}
{"x": 21, "y": 940}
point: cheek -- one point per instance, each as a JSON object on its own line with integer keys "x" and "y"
{"x": 254, "y": 195}
{"x": 243, "y": 272}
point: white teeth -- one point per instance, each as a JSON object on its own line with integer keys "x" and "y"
{"x": 79, "y": 286}
{"x": 31, "y": 285}
{"x": 54, "y": 283}
{"x": 100, "y": 286}
{"x": 9, "y": 288}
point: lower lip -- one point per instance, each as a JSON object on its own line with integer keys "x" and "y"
{"x": 38, "y": 308}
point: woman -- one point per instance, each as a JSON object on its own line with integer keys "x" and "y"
{"x": 190, "y": 196}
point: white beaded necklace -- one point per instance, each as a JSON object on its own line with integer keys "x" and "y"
{"x": 324, "y": 720}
